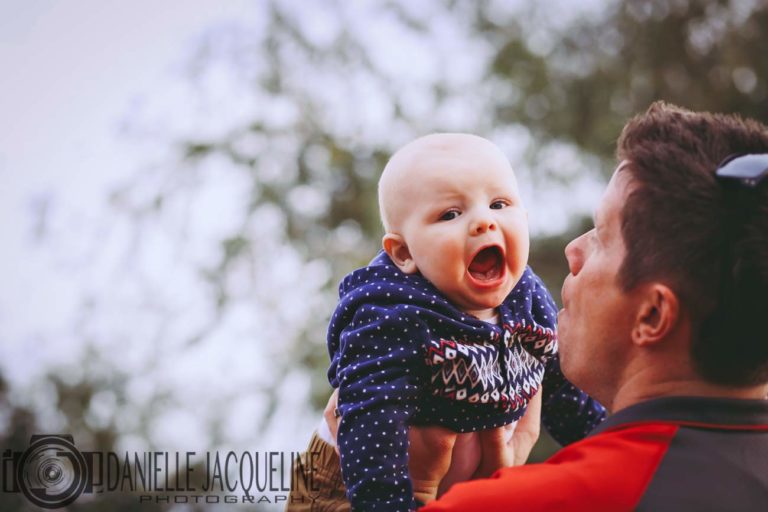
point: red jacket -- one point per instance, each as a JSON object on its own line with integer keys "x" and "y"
{"x": 676, "y": 454}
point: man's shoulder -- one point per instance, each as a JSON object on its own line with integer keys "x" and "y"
{"x": 592, "y": 473}
{"x": 588, "y": 475}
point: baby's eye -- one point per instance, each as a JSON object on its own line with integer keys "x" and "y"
{"x": 498, "y": 205}
{"x": 449, "y": 215}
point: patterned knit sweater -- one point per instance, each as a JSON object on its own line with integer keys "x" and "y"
{"x": 402, "y": 355}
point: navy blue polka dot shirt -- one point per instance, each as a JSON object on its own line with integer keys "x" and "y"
{"x": 402, "y": 355}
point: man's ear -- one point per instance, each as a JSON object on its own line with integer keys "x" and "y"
{"x": 398, "y": 252}
{"x": 658, "y": 315}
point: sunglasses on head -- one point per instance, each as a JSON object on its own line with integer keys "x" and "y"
{"x": 749, "y": 170}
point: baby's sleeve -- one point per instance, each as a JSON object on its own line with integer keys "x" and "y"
{"x": 568, "y": 413}
{"x": 380, "y": 363}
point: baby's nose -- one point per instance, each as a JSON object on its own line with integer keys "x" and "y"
{"x": 483, "y": 225}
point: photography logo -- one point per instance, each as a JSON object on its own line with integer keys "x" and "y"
{"x": 51, "y": 472}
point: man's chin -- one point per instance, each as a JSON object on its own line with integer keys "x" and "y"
{"x": 560, "y": 319}
{"x": 568, "y": 372}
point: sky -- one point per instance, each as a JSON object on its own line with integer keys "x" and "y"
{"x": 73, "y": 71}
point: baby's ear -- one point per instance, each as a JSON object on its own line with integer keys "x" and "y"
{"x": 398, "y": 252}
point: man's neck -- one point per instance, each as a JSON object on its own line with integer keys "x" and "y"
{"x": 647, "y": 385}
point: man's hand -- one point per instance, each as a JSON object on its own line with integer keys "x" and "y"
{"x": 431, "y": 448}
{"x": 511, "y": 444}
{"x": 429, "y": 454}
{"x": 332, "y": 417}
{"x": 526, "y": 431}
{"x": 429, "y": 457}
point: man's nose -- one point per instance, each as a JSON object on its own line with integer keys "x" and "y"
{"x": 574, "y": 253}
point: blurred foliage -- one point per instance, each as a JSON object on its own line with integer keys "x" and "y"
{"x": 584, "y": 83}
{"x": 73, "y": 402}
{"x": 575, "y": 81}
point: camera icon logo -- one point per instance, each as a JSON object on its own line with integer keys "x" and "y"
{"x": 51, "y": 472}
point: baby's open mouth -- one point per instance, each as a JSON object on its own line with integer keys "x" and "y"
{"x": 487, "y": 264}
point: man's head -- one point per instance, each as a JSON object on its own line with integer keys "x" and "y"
{"x": 676, "y": 270}
{"x": 451, "y": 210}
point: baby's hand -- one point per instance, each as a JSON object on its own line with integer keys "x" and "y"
{"x": 429, "y": 458}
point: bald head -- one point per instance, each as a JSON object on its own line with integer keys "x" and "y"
{"x": 424, "y": 158}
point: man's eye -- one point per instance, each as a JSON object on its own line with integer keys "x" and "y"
{"x": 449, "y": 215}
{"x": 498, "y": 205}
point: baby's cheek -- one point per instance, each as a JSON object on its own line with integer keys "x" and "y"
{"x": 518, "y": 256}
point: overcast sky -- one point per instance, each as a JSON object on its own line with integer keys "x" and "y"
{"x": 71, "y": 71}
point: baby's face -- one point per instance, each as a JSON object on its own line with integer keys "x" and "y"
{"x": 462, "y": 221}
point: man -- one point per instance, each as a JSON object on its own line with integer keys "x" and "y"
{"x": 663, "y": 322}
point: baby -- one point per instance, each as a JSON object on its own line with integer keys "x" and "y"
{"x": 446, "y": 327}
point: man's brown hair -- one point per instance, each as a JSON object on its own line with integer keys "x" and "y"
{"x": 707, "y": 238}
